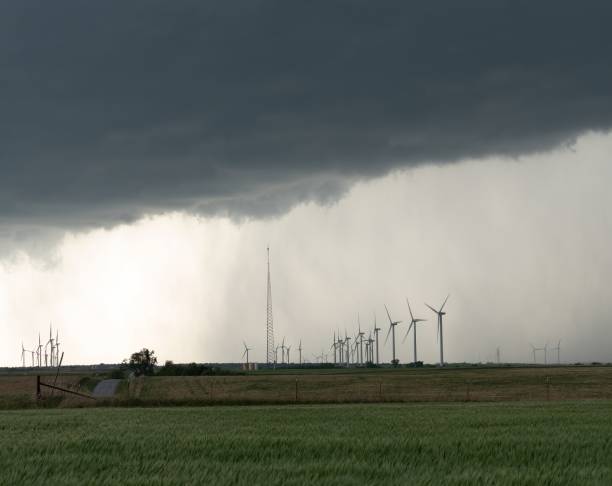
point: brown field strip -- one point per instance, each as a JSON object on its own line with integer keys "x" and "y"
{"x": 507, "y": 384}
{"x": 405, "y": 385}
{"x": 22, "y": 388}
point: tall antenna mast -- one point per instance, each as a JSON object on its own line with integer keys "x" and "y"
{"x": 271, "y": 353}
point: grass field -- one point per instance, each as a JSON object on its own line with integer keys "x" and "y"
{"x": 454, "y": 444}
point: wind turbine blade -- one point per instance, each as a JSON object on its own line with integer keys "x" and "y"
{"x": 431, "y": 307}
{"x": 409, "y": 309}
{"x": 245, "y": 352}
{"x": 388, "y": 332}
{"x": 407, "y": 332}
{"x": 444, "y": 302}
{"x": 388, "y": 315}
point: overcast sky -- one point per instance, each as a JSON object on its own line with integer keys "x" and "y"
{"x": 150, "y": 150}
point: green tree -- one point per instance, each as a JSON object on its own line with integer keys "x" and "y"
{"x": 142, "y": 363}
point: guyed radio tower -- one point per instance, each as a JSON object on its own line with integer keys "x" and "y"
{"x": 271, "y": 354}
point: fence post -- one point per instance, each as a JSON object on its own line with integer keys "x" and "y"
{"x": 38, "y": 387}
{"x": 296, "y": 390}
{"x": 548, "y": 388}
{"x": 380, "y": 395}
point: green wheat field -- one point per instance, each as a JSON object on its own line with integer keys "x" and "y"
{"x": 539, "y": 443}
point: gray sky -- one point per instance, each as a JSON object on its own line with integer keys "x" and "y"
{"x": 150, "y": 151}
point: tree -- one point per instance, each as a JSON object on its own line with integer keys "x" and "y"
{"x": 142, "y": 363}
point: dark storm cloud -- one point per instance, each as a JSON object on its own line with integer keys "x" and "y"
{"x": 112, "y": 108}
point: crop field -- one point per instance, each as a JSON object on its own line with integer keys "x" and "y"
{"x": 479, "y": 384}
{"x": 454, "y": 443}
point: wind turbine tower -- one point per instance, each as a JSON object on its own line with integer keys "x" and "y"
{"x": 335, "y": 346}
{"x": 558, "y": 350}
{"x": 347, "y": 341}
{"x": 391, "y": 330}
{"x": 440, "y": 334}
{"x": 360, "y": 335}
{"x": 270, "y": 349}
{"x": 376, "y": 330}
{"x": 413, "y": 323}
{"x": 300, "y": 351}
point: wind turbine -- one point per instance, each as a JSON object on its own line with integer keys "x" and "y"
{"x": 371, "y": 348}
{"x": 39, "y": 352}
{"x": 360, "y": 334}
{"x": 391, "y": 330}
{"x": 534, "y": 349}
{"x": 347, "y": 342}
{"x": 413, "y": 323}
{"x": 300, "y": 350}
{"x": 51, "y": 342}
{"x": 376, "y": 330}
{"x": 283, "y": 351}
{"x": 57, "y": 344}
{"x": 288, "y": 348}
{"x": 335, "y": 346}
{"x": 440, "y": 334}
{"x": 558, "y": 350}
{"x": 246, "y": 352}
{"x": 23, "y": 351}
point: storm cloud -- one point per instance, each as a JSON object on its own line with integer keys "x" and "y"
{"x": 114, "y": 109}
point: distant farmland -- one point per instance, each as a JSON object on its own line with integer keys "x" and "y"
{"x": 495, "y": 384}
{"x": 327, "y": 386}
{"x": 454, "y": 444}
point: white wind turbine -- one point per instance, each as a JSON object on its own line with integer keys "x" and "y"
{"x": 360, "y": 335}
{"x": 335, "y": 346}
{"x": 376, "y": 330}
{"x": 347, "y": 345}
{"x": 246, "y": 352}
{"x": 413, "y": 324}
{"x": 558, "y": 350}
{"x": 440, "y": 333}
{"x": 300, "y": 351}
{"x": 283, "y": 351}
{"x": 57, "y": 345}
{"x": 391, "y": 330}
